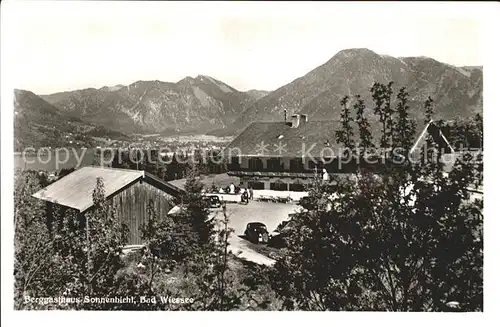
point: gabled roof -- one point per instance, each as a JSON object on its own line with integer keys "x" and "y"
{"x": 295, "y": 141}
{"x": 272, "y": 134}
{"x": 166, "y": 187}
{"x": 75, "y": 189}
{"x": 431, "y": 129}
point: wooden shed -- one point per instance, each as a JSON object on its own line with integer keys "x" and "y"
{"x": 129, "y": 190}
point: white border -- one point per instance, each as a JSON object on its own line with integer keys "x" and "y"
{"x": 491, "y": 103}
{"x": 489, "y": 13}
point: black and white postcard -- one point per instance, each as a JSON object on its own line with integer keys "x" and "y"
{"x": 243, "y": 156}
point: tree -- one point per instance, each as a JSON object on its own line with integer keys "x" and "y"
{"x": 478, "y": 123}
{"x": 211, "y": 282}
{"x": 429, "y": 109}
{"x": 404, "y": 132}
{"x": 171, "y": 237}
{"x": 199, "y": 160}
{"x": 381, "y": 95}
{"x": 345, "y": 134}
{"x": 388, "y": 112}
{"x": 364, "y": 128}
{"x": 365, "y": 134}
{"x": 163, "y": 251}
{"x": 175, "y": 169}
{"x": 410, "y": 240}
{"x": 197, "y": 208}
{"x": 466, "y": 134}
{"x": 32, "y": 246}
{"x": 226, "y": 299}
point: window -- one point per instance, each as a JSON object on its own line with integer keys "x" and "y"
{"x": 311, "y": 165}
{"x": 255, "y": 164}
{"x": 296, "y": 165}
{"x": 234, "y": 163}
{"x": 296, "y": 187}
{"x": 279, "y": 186}
{"x": 256, "y": 185}
{"x": 274, "y": 164}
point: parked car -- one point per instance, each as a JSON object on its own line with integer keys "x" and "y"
{"x": 213, "y": 200}
{"x": 256, "y": 232}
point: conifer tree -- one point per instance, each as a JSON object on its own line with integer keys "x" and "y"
{"x": 197, "y": 208}
{"x": 32, "y": 246}
{"x": 429, "y": 109}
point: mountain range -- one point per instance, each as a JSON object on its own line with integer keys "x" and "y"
{"x": 192, "y": 104}
{"x": 457, "y": 91}
{"x": 206, "y": 105}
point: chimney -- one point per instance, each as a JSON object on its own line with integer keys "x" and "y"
{"x": 295, "y": 121}
{"x": 303, "y": 119}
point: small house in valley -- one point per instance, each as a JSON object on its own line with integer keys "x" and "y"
{"x": 130, "y": 191}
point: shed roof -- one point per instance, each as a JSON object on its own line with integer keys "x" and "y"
{"x": 75, "y": 189}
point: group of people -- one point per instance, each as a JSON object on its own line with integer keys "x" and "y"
{"x": 247, "y": 195}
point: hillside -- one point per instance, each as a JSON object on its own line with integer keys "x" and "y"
{"x": 192, "y": 104}
{"x": 257, "y": 94}
{"x": 457, "y": 91}
{"x": 38, "y": 123}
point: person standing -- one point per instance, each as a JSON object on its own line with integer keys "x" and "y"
{"x": 326, "y": 177}
{"x": 250, "y": 192}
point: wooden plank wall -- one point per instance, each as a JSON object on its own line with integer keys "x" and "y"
{"x": 132, "y": 207}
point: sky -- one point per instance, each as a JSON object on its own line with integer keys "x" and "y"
{"x": 61, "y": 46}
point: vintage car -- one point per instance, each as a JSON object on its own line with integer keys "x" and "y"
{"x": 256, "y": 232}
{"x": 213, "y": 200}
